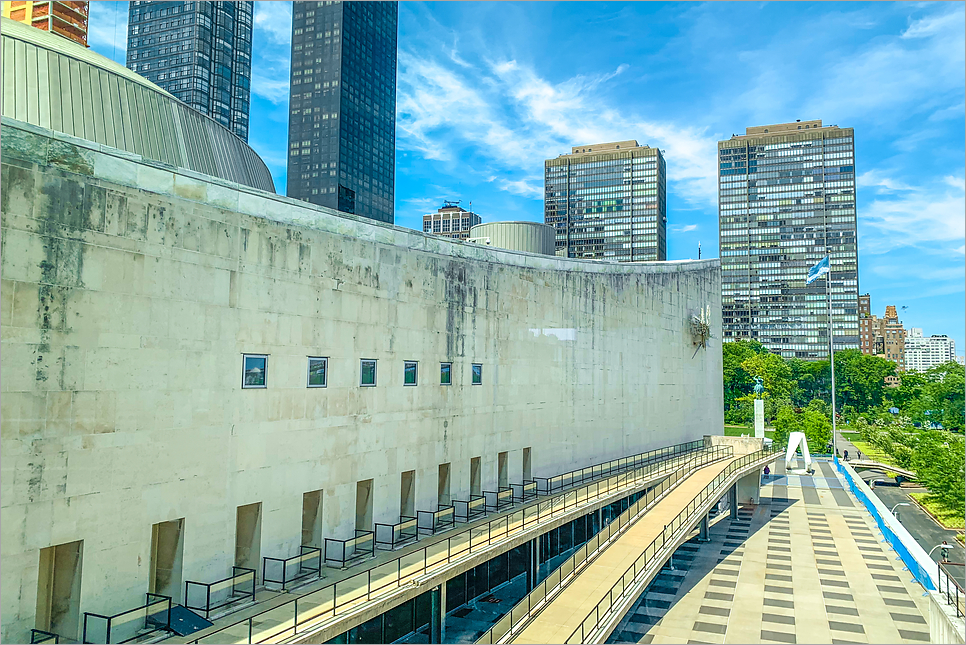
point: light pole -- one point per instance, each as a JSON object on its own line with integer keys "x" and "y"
{"x": 945, "y": 547}
{"x": 893, "y": 511}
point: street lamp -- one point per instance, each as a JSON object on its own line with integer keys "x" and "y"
{"x": 945, "y": 547}
{"x": 893, "y": 511}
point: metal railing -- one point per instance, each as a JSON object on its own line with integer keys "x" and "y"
{"x": 657, "y": 547}
{"x": 395, "y": 535}
{"x": 40, "y": 636}
{"x": 587, "y": 552}
{"x": 951, "y": 589}
{"x": 434, "y": 521}
{"x": 308, "y": 610}
{"x": 208, "y": 596}
{"x": 497, "y": 500}
{"x": 470, "y": 509}
{"x": 306, "y": 564}
{"x": 154, "y": 615}
{"x": 547, "y": 485}
{"x": 343, "y": 551}
{"x": 525, "y": 491}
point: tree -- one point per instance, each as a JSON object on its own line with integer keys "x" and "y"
{"x": 938, "y": 461}
{"x": 736, "y": 381}
{"x": 860, "y": 379}
{"x": 814, "y": 423}
{"x": 773, "y": 371}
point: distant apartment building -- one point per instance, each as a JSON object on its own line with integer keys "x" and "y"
{"x": 786, "y": 197}
{"x": 201, "y": 52}
{"x": 342, "y": 107}
{"x": 924, "y": 353}
{"x": 884, "y": 337}
{"x": 67, "y": 19}
{"x": 608, "y": 201}
{"x": 451, "y": 221}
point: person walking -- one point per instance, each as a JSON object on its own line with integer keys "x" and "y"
{"x": 846, "y": 455}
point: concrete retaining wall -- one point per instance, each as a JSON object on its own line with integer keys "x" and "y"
{"x": 131, "y": 290}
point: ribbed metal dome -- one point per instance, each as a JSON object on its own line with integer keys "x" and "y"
{"x": 54, "y": 83}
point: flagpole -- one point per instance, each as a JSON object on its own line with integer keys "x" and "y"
{"x": 831, "y": 348}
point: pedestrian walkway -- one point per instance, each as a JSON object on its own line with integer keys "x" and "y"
{"x": 805, "y": 566}
{"x": 565, "y": 612}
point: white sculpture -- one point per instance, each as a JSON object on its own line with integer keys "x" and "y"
{"x": 793, "y": 440}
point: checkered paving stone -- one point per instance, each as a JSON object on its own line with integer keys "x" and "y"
{"x": 866, "y": 599}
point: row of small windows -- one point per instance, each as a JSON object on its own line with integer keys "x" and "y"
{"x": 255, "y": 372}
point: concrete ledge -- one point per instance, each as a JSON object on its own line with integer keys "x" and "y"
{"x": 944, "y": 625}
{"x": 740, "y": 445}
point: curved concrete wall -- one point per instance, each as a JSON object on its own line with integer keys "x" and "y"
{"x": 530, "y": 237}
{"x": 54, "y": 83}
{"x": 131, "y": 291}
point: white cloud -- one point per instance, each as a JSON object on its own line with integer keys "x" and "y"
{"x": 502, "y": 115}
{"x": 107, "y": 29}
{"x": 934, "y": 24}
{"x": 274, "y": 21}
{"x": 687, "y": 228}
{"x": 271, "y": 40}
{"x": 883, "y": 184}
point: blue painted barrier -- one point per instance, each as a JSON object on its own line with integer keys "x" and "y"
{"x": 892, "y": 534}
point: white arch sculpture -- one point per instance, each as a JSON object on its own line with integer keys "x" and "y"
{"x": 794, "y": 439}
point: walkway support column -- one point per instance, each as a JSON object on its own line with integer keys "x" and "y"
{"x": 436, "y": 615}
{"x": 531, "y": 574}
{"x": 733, "y": 500}
{"x": 703, "y": 530}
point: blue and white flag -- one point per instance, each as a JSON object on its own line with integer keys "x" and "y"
{"x": 817, "y": 271}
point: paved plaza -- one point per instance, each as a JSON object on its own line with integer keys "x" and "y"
{"x": 807, "y": 565}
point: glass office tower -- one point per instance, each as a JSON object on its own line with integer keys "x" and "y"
{"x": 201, "y": 52}
{"x": 608, "y": 201}
{"x": 342, "y": 109}
{"x": 786, "y": 196}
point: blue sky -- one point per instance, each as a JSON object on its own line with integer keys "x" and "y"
{"x": 487, "y": 91}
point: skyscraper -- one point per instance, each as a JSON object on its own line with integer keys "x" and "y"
{"x": 608, "y": 201}
{"x": 451, "y": 221}
{"x": 786, "y": 197}
{"x": 342, "y": 109}
{"x": 201, "y": 52}
{"x": 67, "y": 19}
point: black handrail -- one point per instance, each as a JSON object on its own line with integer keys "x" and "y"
{"x": 154, "y": 615}
{"x": 344, "y": 551}
{"x": 402, "y": 532}
{"x": 525, "y": 491}
{"x": 241, "y": 583}
{"x": 497, "y": 500}
{"x": 40, "y": 636}
{"x": 432, "y": 522}
{"x": 952, "y": 590}
{"x": 310, "y": 609}
{"x": 307, "y": 557}
{"x": 471, "y": 508}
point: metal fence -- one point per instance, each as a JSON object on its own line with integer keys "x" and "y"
{"x": 433, "y": 522}
{"x": 154, "y": 615}
{"x": 310, "y": 609}
{"x": 208, "y": 596}
{"x": 470, "y": 509}
{"x": 342, "y": 551}
{"x": 658, "y": 548}
{"x": 395, "y": 535}
{"x": 588, "y": 551}
{"x": 525, "y": 491}
{"x": 284, "y": 571}
{"x": 950, "y": 588}
{"x": 40, "y": 636}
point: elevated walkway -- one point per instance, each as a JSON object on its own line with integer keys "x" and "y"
{"x": 589, "y": 603}
{"x": 868, "y": 464}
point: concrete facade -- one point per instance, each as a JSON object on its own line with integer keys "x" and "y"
{"x": 131, "y": 291}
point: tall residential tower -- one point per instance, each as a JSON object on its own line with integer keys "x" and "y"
{"x": 608, "y": 201}
{"x": 342, "y": 109}
{"x": 201, "y": 52}
{"x": 67, "y": 19}
{"x": 786, "y": 197}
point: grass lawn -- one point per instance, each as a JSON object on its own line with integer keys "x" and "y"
{"x": 949, "y": 519}
{"x": 961, "y": 537}
{"x": 870, "y": 451}
{"x": 737, "y": 431}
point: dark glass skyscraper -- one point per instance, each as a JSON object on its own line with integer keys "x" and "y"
{"x": 342, "y": 110}
{"x": 786, "y": 198}
{"x": 201, "y": 52}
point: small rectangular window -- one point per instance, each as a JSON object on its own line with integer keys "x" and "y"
{"x": 409, "y": 373}
{"x": 318, "y": 366}
{"x": 368, "y": 373}
{"x": 255, "y": 370}
{"x": 445, "y": 373}
{"x": 477, "y": 373}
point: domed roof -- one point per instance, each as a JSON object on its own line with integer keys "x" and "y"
{"x": 54, "y": 83}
